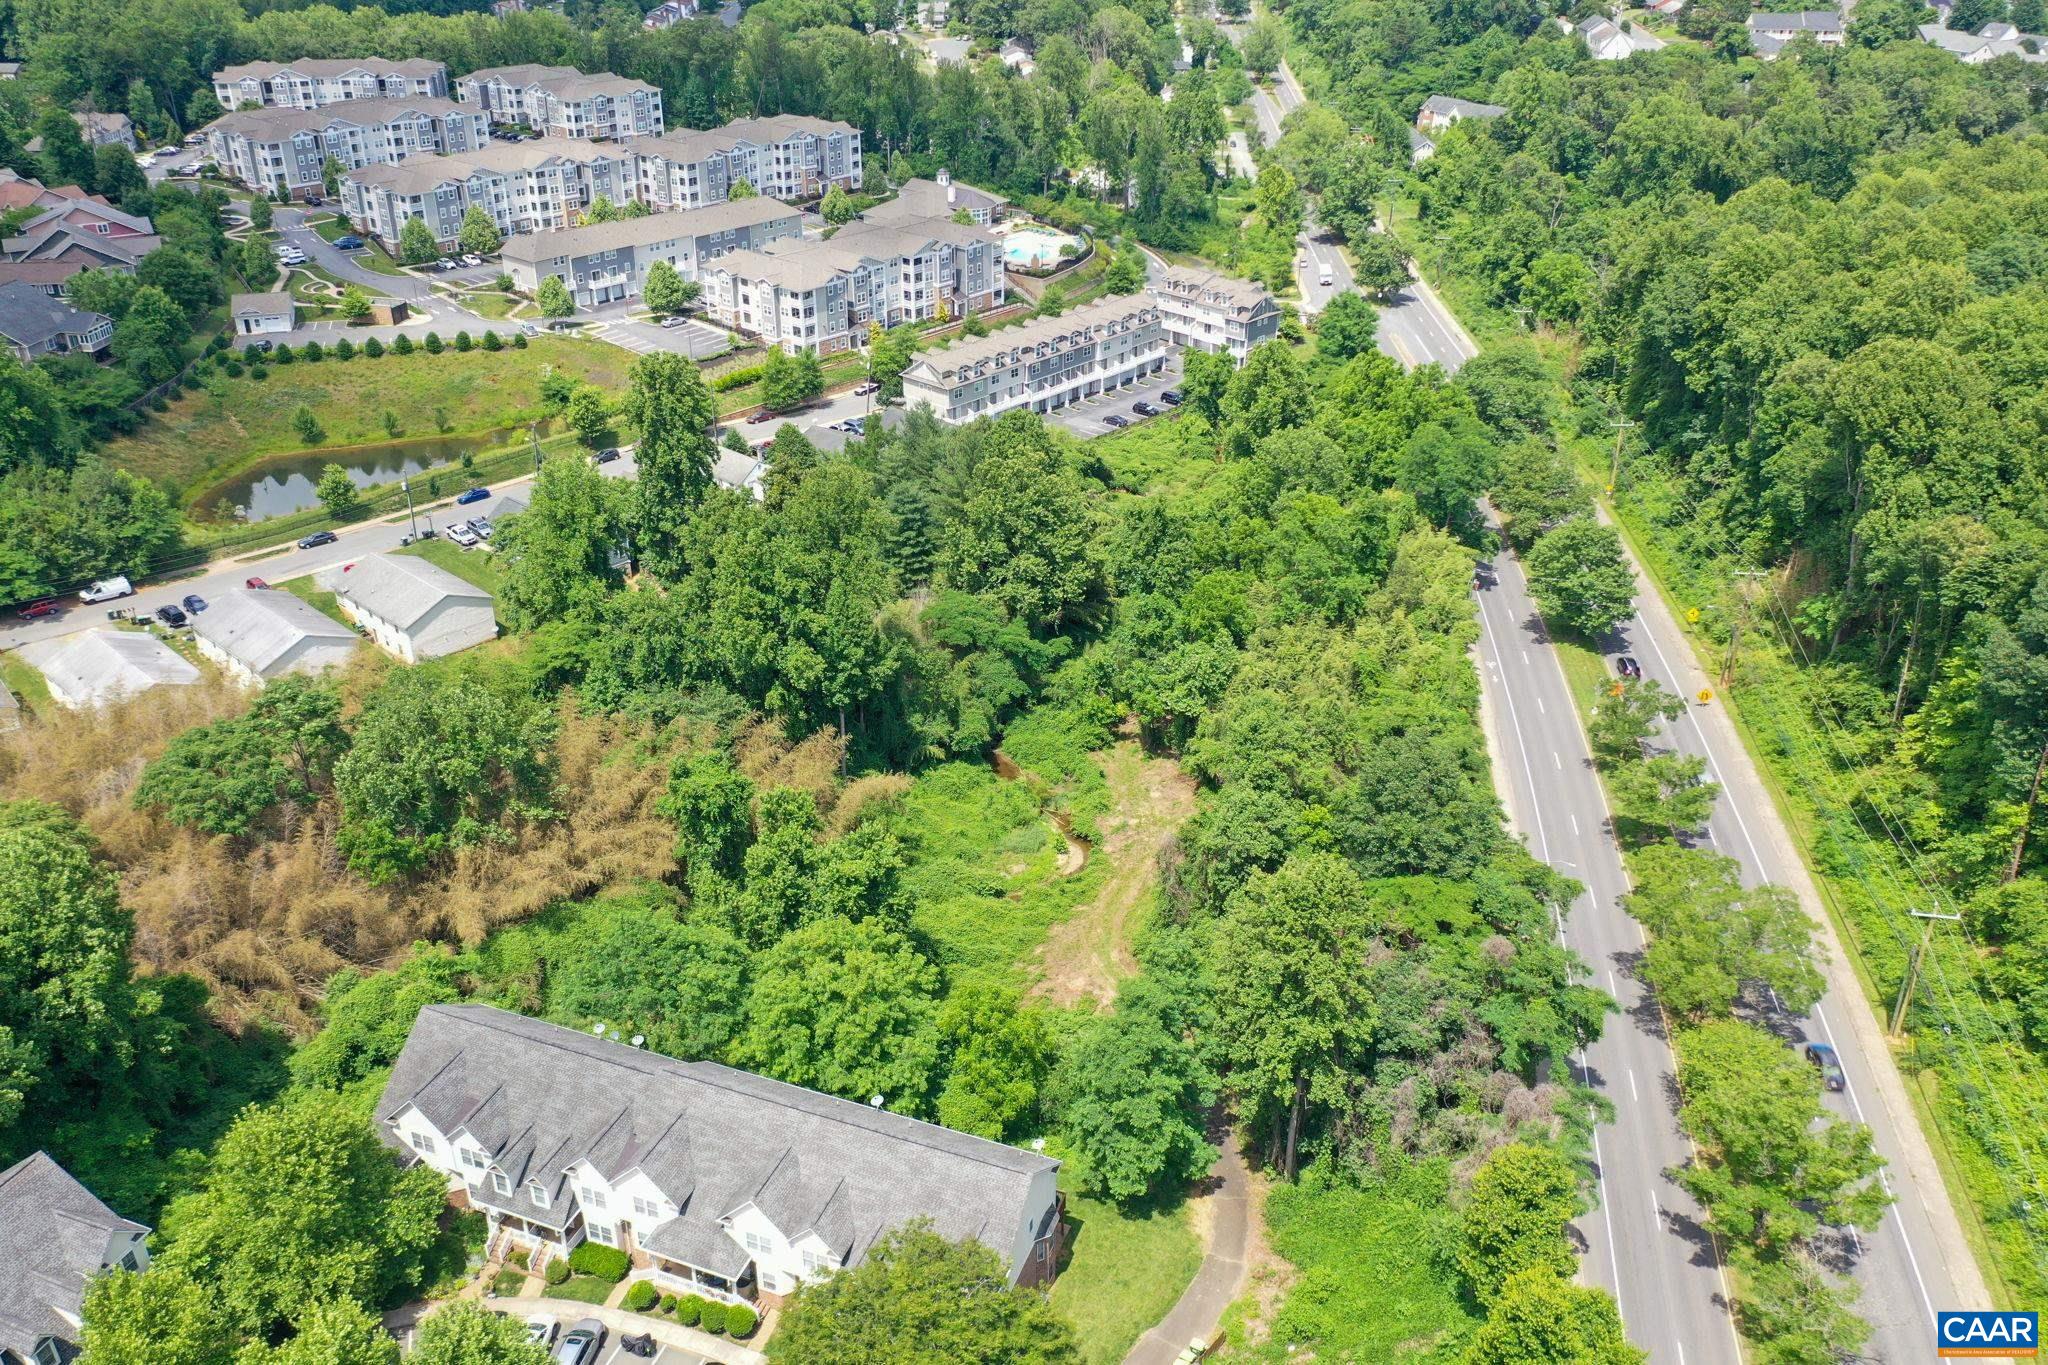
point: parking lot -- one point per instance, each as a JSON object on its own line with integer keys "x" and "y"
{"x": 1085, "y": 417}
{"x": 612, "y": 1353}
{"x": 693, "y": 338}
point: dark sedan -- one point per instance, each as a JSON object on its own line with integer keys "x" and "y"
{"x": 1116, "y": 419}
{"x": 1171, "y": 398}
{"x": 318, "y": 538}
{"x": 194, "y": 603}
{"x": 170, "y": 615}
{"x": 1828, "y": 1064}
{"x": 470, "y": 495}
{"x": 1144, "y": 409}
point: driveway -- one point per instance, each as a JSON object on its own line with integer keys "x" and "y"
{"x": 1085, "y": 417}
{"x": 291, "y": 227}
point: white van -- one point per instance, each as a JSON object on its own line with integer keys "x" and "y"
{"x": 1327, "y": 277}
{"x": 107, "y": 589}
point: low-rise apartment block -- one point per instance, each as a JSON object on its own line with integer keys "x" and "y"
{"x": 786, "y": 157}
{"x": 312, "y": 82}
{"x": 266, "y": 148}
{"x": 562, "y": 102}
{"x": 520, "y": 186}
{"x": 1043, "y": 364}
{"x": 822, "y": 296}
{"x": 1220, "y": 314}
{"x": 606, "y": 262}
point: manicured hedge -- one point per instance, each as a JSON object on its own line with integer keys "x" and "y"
{"x": 557, "y": 1272}
{"x": 712, "y": 1319}
{"x": 689, "y": 1308}
{"x": 594, "y": 1258}
{"x": 641, "y": 1296}
{"x": 740, "y": 1320}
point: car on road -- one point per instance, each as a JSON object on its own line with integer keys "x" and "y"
{"x": 314, "y": 201}
{"x": 764, "y": 415}
{"x": 318, "y": 538}
{"x": 170, "y": 615}
{"x": 463, "y": 536}
{"x": 349, "y": 243}
{"x": 608, "y": 454}
{"x": 528, "y": 329}
{"x": 1116, "y": 419}
{"x": 292, "y": 258}
{"x": 1828, "y": 1064}
{"x": 865, "y": 387}
{"x": 674, "y": 320}
{"x": 581, "y": 1344}
{"x": 254, "y": 583}
{"x": 194, "y": 139}
{"x": 1627, "y": 667}
{"x": 470, "y": 495}
{"x": 194, "y": 603}
{"x": 542, "y": 1331}
{"x": 36, "y": 611}
{"x": 1144, "y": 409}
{"x": 107, "y": 589}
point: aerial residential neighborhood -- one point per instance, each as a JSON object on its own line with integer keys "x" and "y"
{"x": 1079, "y": 684}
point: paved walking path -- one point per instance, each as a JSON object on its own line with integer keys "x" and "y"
{"x": 1221, "y": 1277}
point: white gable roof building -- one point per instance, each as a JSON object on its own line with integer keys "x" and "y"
{"x": 717, "y": 1181}
{"x": 102, "y": 666}
{"x": 412, "y": 609}
{"x": 55, "y": 1238}
{"x": 257, "y": 634}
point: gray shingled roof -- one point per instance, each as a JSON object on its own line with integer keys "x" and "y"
{"x": 331, "y": 66}
{"x": 1085, "y": 322}
{"x": 257, "y": 627}
{"x": 276, "y": 304}
{"x": 542, "y": 1098}
{"x": 653, "y": 227}
{"x": 1216, "y": 290}
{"x": 106, "y": 665}
{"x": 53, "y": 1233}
{"x": 1450, "y": 104}
{"x": 30, "y": 317}
{"x": 923, "y": 198}
{"x": 1798, "y": 21}
{"x": 400, "y": 589}
{"x": 274, "y": 122}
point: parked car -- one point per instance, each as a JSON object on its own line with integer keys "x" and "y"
{"x": 349, "y": 243}
{"x": 292, "y": 258}
{"x": 36, "y": 611}
{"x": 107, "y": 589}
{"x": 318, "y": 538}
{"x": 254, "y": 583}
{"x": 674, "y": 320}
{"x": 471, "y": 259}
{"x": 314, "y": 201}
{"x": 764, "y": 415}
{"x": 1171, "y": 398}
{"x": 1116, "y": 419}
{"x": 170, "y": 615}
{"x": 194, "y": 603}
{"x": 608, "y": 454}
{"x": 542, "y": 1331}
{"x": 582, "y": 1343}
{"x": 194, "y": 139}
{"x": 1144, "y": 409}
{"x": 481, "y": 525}
{"x": 463, "y": 536}
{"x": 528, "y": 329}
{"x": 470, "y": 495}
{"x": 146, "y": 160}
{"x": 1628, "y": 667}
{"x": 1830, "y": 1066}
{"x": 865, "y": 387}
{"x": 262, "y": 346}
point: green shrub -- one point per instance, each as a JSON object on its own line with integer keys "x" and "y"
{"x": 311, "y": 352}
{"x": 740, "y": 1320}
{"x": 159, "y": 404}
{"x": 433, "y": 343}
{"x": 712, "y": 1319}
{"x": 606, "y": 1263}
{"x": 519, "y": 341}
{"x": 641, "y": 1296}
{"x": 373, "y": 348}
{"x": 463, "y": 341}
{"x": 189, "y": 381}
{"x": 732, "y": 379}
{"x": 233, "y": 369}
{"x": 557, "y": 1272}
{"x": 344, "y": 349}
{"x": 668, "y": 1303}
{"x": 252, "y": 352}
{"x": 258, "y": 373}
{"x": 689, "y": 1308}
{"x": 401, "y": 344}
{"x": 283, "y": 354}
{"x": 492, "y": 342}
{"x": 520, "y": 1257}
{"x": 219, "y": 342}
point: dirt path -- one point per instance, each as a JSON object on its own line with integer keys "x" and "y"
{"x": 1084, "y": 958}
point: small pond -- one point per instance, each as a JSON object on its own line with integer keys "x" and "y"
{"x": 286, "y": 483}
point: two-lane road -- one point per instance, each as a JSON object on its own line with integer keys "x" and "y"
{"x": 1643, "y": 1243}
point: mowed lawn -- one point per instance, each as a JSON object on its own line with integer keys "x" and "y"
{"x": 1124, "y": 1271}
{"x": 204, "y": 437}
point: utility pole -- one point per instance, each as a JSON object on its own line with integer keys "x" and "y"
{"x": 1913, "y": 962}
{"x": 1621, "y": 426}
{"x": 1735, "y": 625}
{"x": 533, "y": 434}
{"x": 411, "y": 523}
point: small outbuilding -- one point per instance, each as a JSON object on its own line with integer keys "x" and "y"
{"x": 98, "y": 667}
{"x": 411, "y": 608}
{"x": 257, "y": 634}
{"x": 255, "y": 314}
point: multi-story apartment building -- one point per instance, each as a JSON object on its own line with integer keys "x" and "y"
{"x": 560, "y": 101}
{"x": 821, "y": 296}
{"x": 522, "y": 186}
{"x": 312, "y": 82}
{"x": 940, "y": 198}
{"x": 1205, "y": 311}
{"x": 1043, "y": 364}
{"x": 787, "y": 157}
{"x": 265, "y": 148}
{"x": 606, "y": 262}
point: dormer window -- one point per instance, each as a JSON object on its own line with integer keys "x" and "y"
{"x": 538, "y": 1193}
{"x": 500, "y": 1182}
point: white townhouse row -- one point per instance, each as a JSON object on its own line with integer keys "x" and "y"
{"x": 713, "y": 1181}
{"x": 1203, "y": 310}
{"x": 822, "y": 297}
{"x": 605, "y": 262}
{"x": 1043, "y": 364}
{"x": 562, "y": 102}
{"x": 266, "y": 148}
{"x": 311, "y": 82}
{"x": 789, "y": 156}
{"x": 520, "y": 186}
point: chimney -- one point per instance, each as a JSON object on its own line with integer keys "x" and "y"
{"x": 946, "y": 179}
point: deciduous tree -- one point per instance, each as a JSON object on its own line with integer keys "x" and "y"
{"x": 1581, "y": 579}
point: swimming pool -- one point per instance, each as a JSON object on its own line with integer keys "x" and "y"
{"x": 1032, "y": 246}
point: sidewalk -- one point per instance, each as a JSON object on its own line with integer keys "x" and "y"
{"x": 1221, "y": 1277}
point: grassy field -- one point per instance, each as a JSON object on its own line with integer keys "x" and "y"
{"x": 307, "y": 590}
{"x": 582, "y": 1289}
{"x": 26, "y": 684}
{"x": 206, "y": 437}
{"x": 1124, "y": 1272}
{"x": 478, "y": 566}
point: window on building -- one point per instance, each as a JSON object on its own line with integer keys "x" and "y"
{"x": 46, "y": 1352}
{"x": 131, "y": 1262}
{"x": 646, "y": 1208}
{"x": 592, "y": 1197}
{"x": 501, "y": 1182}
{"x": 537, "y": 1192}
{"x": 601, "y": 1232}
{"x": 757, "y": 1243}
{"x": 473, "y": 1159}
{"x": 422, "y": 1142}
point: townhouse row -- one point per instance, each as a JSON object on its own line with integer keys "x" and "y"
{"x": 538, "y": 186}
{"x": 554, "y": 101}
